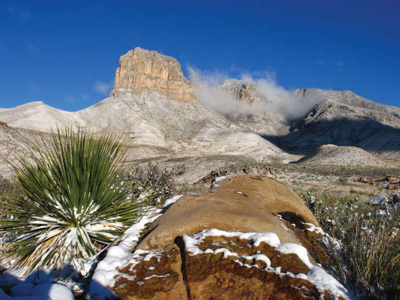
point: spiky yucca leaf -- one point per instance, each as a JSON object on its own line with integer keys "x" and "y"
{"x": 72, "y": 201}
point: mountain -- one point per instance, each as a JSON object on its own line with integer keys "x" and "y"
{"x": 346, "y": 104}
{"x": 39, "y": 116}
{"x": 345, "y": 119}
{"x": 154, "y": 109}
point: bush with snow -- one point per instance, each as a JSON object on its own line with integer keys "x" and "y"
{"x": 72, "y": 202}
{"x": 367, "y": 244}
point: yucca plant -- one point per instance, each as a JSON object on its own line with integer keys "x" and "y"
{"x": 72, "y": 201}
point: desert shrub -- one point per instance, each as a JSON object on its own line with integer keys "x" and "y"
{"x": 153, "y": 184}
{"x": 71, "y": 203}
{"x": 369, "y": 240}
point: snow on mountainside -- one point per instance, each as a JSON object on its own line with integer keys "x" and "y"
{"x": 344, "y": 119}
{"x": 178, "y": 125}
{"x": 153, "y": 108}
{"x": 39, "y": 116}
{"x": 332, "y": 155}
{"x": 153, "y": 126}
{"x": 346, "y": 104}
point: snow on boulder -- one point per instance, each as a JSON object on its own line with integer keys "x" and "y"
{"x": 224, "y": 245}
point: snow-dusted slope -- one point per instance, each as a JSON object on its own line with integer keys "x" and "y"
{"x": 346, "y": 104}
{"x": 345, "y": 119}
{"x": 12, "y": 142}
{"x": 155, "y": 115}
{"x": 152, "y": 119}
{"x": 39, "y": 116}
{"x": 152, "y": 125}
{"x": 332, "y": 155}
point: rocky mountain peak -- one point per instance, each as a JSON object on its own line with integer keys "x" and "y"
{"x": 243, "y": 90}
{"x": 143, "y": 69}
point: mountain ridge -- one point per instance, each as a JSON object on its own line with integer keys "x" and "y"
{"x": 159, "y": 116}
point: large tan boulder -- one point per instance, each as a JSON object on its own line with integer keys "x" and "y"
{"x": 244, "y": 203}
{"x": 247, "y": 238}
{"x": 139, "y": 69}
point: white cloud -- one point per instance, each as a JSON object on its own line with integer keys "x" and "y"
{"x": 319, "y": 62}
{"x": 102, "y": 87}
{"x": 279, "y": 100}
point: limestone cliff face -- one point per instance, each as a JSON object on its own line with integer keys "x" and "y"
{"x": 139, "y": 69}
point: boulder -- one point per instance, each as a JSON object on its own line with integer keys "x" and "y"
{"x": 231, "y": 242}
{"x": 243, "y": 203}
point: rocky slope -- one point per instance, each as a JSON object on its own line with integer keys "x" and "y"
{"x": 332, "y": 155}
{"x": 13, "y": 141}
{"x": 344, "y": 119}
{"x": 39, "y": 116}
{"x": 346, "y": 104}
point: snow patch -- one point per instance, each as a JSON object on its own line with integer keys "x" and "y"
{"x": 300, "y": 251}
{"x": 171, "y": 201}
{"x": 118, "y": 256}
{"x": 324, "y": 281}
{"x": 316, "y": 275}
{"x": 217, "y": 179}
{"x": 313, "y": 228}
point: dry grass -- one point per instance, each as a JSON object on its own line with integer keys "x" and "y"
{"x": 369, "y": 254}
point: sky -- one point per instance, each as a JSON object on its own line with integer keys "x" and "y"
{"x": 65, "y": 52}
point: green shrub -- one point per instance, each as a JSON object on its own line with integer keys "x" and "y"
{"x": 72, "y": 201}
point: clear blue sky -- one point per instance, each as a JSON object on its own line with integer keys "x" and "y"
{"x": 65, "y": 52}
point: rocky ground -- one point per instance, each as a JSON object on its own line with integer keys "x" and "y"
{"x": 196, "y": 174}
